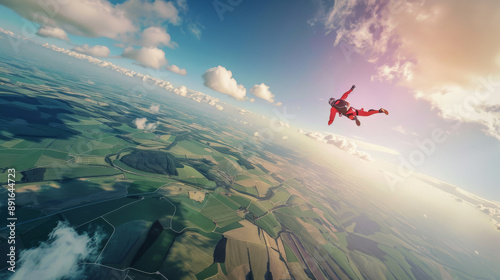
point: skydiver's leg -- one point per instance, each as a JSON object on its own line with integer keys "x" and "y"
{"x": 370, "y": 112}
{"x": 351, "y": 114}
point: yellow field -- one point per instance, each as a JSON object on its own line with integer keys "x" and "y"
{"x": 313, "y": 232}
{"x": 261, "y": 186}
{"x": 197, "y": 196}
{"x": 246, "y": 241}
{"x": 191, "y": 249}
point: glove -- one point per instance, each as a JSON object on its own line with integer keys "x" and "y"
{"x": 353, "y": 87}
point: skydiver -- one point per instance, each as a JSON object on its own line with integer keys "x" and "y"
{"x": 343, "y": 107}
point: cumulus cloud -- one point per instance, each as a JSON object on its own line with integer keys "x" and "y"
{"x": 154, "y": 108}
{"x": 142, "y": 124}
{"x": 220, "y": 79}
{"x": 59, "y": 257}
{"x": 97, "y": 51}
{"x": 156, "y": 36}
{"x": 456, "y": 67}
{"x": 182, "y": 91}
{"x": 147, "y": 57}
{"x": 91, "y": 18}
{"x": 262, "y": 91}
{"x": 52, "y": 32}
{"x": 176, "y": 69}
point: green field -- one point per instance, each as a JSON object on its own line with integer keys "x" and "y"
{"x": 187, "y": 217}
{"x": 251, "y": 190}
{"x": 219, "y": 212}
{"x": 228, "y": 227}
{"x": 256, "y": 209}
{"x": 280, "y": 197}
{"x": 193, "y": 147}
{"x": 75, "y": 171}
{"x": 154, "y": 256}
{"x": 269, "y": 224}
{"x": 191, "y": 253}
{"x": 290, "y": 256}
{"x": 19, "y": 159}
{"x": 241, "y": 200}
{"x": 341, "y": 259}
{"x": 226, "y": 200}
{"x": 86, "y": 213}
{"x": 145, "y": 186}
{"x": 208, "y": 272}
{"x": 147, "y": 209}
{"x": 62, "y": 145}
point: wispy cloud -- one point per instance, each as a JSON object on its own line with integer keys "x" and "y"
{"x": 59, "y": 256}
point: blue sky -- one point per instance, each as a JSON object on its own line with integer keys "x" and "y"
{"x": 413, "y": 59}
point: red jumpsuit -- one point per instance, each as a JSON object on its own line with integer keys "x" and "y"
{"x": 351, "y": 112}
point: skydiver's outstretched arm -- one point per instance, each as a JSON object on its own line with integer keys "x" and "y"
{"x": 344, "y": 96}
{"x": 333, "y": 112}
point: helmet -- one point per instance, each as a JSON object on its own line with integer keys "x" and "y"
{"x": 331, "y": 101}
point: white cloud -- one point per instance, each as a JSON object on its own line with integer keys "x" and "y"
{"x": 97, "y": 51}
{"x": 154, "y": 108}
{"x": 142, "y": 124}
{"x": 156, "y": 36}
{"x": 91, "y": 18}
{"x": 52, "y": 32}
{"x": 284, "y": 137}
{"x": 151, "y": 126}
{"x": 300, "y": 130}
{"x": 446, "y": 67}
{"x": 182, "y": 91}
{"x": 147, "y": 57}
{"x": 220, "y": 79}
{"x": 176, "y": 69}
{"x": 59, "y": 257}
{"x": 262, "y": 91}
